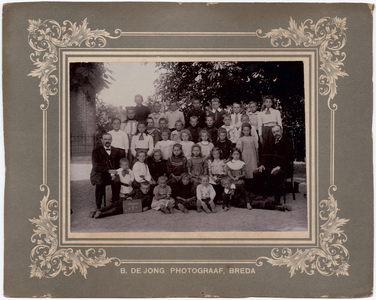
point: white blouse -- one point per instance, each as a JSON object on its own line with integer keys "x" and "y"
{"x": 146, "y": 143}
{"x": 187, "y": 148}
{"x": 274, "y": 116}
{"x": 141, "y": 169}
{"x": 165, "y": 147}
{"x": 119, "y": 139}
{"x": 127, "y": 179}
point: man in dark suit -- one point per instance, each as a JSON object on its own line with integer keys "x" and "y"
{"x": 277, "y": 165}
{"x": 105, "y": 160}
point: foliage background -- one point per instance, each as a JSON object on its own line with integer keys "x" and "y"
{"x": 238, "y": 82}
{"x": 230, "y": 81}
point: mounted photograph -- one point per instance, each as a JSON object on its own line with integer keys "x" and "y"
{"x": 188, "y": 146}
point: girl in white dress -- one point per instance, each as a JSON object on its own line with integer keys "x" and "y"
{"x": 205, "y": 143}
{"x": 247, "y": 145}
{"x": 186, "y": 143}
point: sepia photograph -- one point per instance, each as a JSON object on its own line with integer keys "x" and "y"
{"x": 199, "y": 146}
{"x": 164, "y": 149}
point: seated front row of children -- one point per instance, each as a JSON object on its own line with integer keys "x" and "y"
{"x": 188, "y": 196}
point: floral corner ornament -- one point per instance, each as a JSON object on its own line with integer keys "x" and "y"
{"x": 328, "y": 34}
{"x": 46, "y": 37}
{"x": 331, "y": 257}
{"x": 47, "y": 259}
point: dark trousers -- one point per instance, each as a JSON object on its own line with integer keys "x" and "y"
{"x": 277, "y": 178}
{"x": 115, "y": 208}
{"x": 239, "y": 198}
{"x": 262, "y": 204}
{"x": 100, "y": 188}
{"x": 218, "y": 193}
{"x": 191, "y": 204}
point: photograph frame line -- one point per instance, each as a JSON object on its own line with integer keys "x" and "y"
{"x": 309, "y": 60}
{"x": 327, "y": 34}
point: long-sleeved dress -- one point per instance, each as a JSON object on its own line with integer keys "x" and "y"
{"x": 206, "y": 147}
{"x": 247, "y": 145}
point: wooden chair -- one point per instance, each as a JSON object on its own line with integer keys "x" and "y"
{"x": 289, "y": 181}
{"x": 104, "y": 195}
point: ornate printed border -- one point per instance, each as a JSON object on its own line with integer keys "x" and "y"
{"x": 328, "y": 35}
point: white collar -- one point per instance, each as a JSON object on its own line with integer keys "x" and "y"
{"x": 218, "y": 109}
{"x": 232, "y": 187}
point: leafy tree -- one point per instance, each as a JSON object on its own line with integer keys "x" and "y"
{"x": 86, "y": 81}
{"x": 89, "y": 78}
{"x": 238, "y": 82}
{"x": 104, "y": 114}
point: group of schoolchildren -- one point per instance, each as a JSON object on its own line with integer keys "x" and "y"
{"x": 171, "y": 164}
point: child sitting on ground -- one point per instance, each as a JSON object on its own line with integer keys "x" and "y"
{"x": 197, "y": 164}
{"x": 186, "y": 143}
{"x": 144, "y": 193}
{"x": 205, "y": 195}
{"x": 187, "y": 194}
{"x": 162, "y": 197}
{"x": 238, "y": 197}
{"x": 234, "y": 195}
{"x": 126, "y": 178}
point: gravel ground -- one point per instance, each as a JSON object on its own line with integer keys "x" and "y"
{"x": 236, "y": 219}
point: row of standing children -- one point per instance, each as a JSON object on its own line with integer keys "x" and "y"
{"x": 196, "y": 118}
